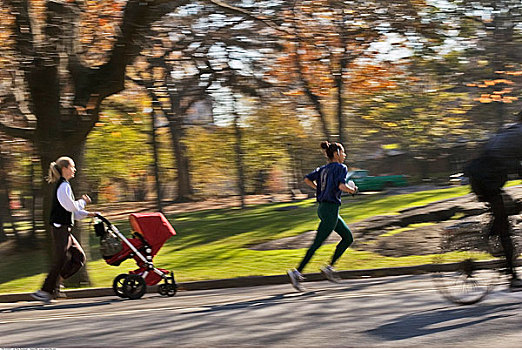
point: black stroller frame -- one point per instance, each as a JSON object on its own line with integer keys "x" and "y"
{"x": 134, "y": 285}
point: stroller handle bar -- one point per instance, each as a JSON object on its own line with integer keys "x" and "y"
{"x": 102, "y": 218}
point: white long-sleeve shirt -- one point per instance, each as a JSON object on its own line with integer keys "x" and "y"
{"x": 67, "y": 201}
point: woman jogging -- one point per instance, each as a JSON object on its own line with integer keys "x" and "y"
{"x": 68, "y": 254}
{"x": 329, "y": 181}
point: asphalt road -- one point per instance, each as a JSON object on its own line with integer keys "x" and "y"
{"x": 403, "y": 311}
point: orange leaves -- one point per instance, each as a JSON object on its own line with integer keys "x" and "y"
{"x": 6, "y": 33}
{"x": 330, "y": 36}
{"x": 509, "y": 99}
{"x": 500, "y": 96}
{"x": 503, "y": 81}
{"x": 503, "y": 92}
{"x": 495, "y": 97}
{"x": 487, "y": 83}
{"x": 368, "y": 78}
{"x": 98, "y": 26}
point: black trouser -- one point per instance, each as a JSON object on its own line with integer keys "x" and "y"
{"x": 68, "y": 257}
{"x": 500, "y": 222}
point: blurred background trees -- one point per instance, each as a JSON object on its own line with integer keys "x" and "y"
{"x": 168, "y": 101}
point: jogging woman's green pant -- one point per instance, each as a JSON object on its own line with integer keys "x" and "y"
{"x": 330, "y": 221}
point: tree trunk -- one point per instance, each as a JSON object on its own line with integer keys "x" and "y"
{"x": 65, "y": 94}
{"x": 3, "y": 210}
{"x": 81, "y": 228}
{"x": 340, "y": 105}
{"x": 33, "y": 200}
{"x": 185, "y": 190}
{"x": 3, "y": 236}
{"x": 239, "y": 157}
{"x": 339, "y": 80}
{"x": 315, "y": 99}
{"x": 159, "y": 196}
{"x": 340, "y": 117}
{"x": 4, "y": 198}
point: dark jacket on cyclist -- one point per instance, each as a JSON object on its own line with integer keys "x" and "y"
{"x": 501, "y": 156}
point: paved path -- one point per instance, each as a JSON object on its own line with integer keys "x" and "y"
{"x": 404, "y": 311}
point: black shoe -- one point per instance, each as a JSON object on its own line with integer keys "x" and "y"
{"x": 58, "y": 293}
{"x": 515, "y": 285}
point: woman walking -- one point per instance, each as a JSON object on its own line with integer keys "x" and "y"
{"x": 68, "y": 254}
{"x": 329, "y": 181}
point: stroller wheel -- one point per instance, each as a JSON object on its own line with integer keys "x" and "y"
{"x": 134, "y": 286}
{"x": 171, "y": 291}
{"x": 162, "y": 289}
{"x": 117, "y": 285}
{"x": 167, "y": 289}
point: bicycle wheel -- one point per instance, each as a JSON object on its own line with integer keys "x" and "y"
{"x": 465, "y": 272}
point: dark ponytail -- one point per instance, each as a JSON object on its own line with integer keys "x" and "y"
{"x": 331, "y": 148}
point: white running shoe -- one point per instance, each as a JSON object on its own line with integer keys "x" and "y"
{"x": 43, "y": 296}
{"x": 330, "y": 274}
{"x": 296, "y": 278}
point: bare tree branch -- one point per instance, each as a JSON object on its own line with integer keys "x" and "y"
{"x": 109, "y": 78}
{"x": 239, "y": 11}
{"x": 16, "y": 132}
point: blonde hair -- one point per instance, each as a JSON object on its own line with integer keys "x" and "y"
{"x": 55, "y": 168}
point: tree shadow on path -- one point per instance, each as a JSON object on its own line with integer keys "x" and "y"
{"x": 442, "y": 320}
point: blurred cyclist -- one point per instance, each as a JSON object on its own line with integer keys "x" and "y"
{"x": 488, "y": 173}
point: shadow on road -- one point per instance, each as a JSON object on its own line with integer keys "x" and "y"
{"x": 442, "y": 320}
{"x": 39, "y": 306}
{"x": 255, "y": 303}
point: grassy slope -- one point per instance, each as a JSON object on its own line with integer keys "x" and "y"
{"x": 213, "y": 244}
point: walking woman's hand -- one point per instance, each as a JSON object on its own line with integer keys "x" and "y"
{"x": 87, "y": 199}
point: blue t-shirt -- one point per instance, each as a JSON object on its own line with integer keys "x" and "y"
{"x": 328, "y": 177}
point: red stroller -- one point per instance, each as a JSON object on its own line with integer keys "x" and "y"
{"x": 151, "y": 231}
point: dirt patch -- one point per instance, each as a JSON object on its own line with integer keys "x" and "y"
{"x": 415, "y": 231}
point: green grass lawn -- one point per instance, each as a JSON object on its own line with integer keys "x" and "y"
{"x": 213, "y": 244}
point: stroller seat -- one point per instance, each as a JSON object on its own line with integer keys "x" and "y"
{"x": 152, "y": 231}
{"x": 125, "y": 253}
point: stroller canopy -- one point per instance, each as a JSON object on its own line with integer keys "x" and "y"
{"x": 153, "y": 226}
